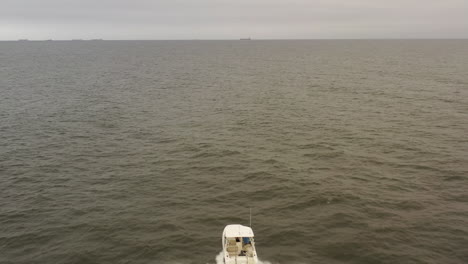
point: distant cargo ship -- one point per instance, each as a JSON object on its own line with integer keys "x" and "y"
{"x": 246, "y": 38}
{"x": 23, "y": 39}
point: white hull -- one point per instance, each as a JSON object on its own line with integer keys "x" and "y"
{"x": 239, "y": 245}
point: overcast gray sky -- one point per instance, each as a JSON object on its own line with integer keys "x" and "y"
{"x": 233, "y": 19}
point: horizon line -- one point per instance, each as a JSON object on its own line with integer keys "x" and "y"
{"x": 229, "y": 39}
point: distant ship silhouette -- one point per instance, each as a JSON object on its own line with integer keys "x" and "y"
{"x": 246, "y": 38}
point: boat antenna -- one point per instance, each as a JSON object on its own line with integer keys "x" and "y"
{"x": 250, "y": 216}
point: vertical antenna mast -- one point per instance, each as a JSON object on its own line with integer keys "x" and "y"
{"x": 250, "y": 216}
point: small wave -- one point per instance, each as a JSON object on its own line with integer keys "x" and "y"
{"x": 454, "y": 178}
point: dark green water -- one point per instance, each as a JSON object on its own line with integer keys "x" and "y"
{"x": 142, "y": 151}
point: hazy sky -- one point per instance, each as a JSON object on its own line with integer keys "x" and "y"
{"x": 233, "y": 19}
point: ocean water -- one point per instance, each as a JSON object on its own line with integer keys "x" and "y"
{"x": 347, "y": 151}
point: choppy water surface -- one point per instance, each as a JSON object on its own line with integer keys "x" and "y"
{"x": 142, "y": 151}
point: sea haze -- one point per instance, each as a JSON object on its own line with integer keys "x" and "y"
{"x": 347, "y": 151}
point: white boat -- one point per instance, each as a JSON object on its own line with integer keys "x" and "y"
{"x": 238, "y": 245}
